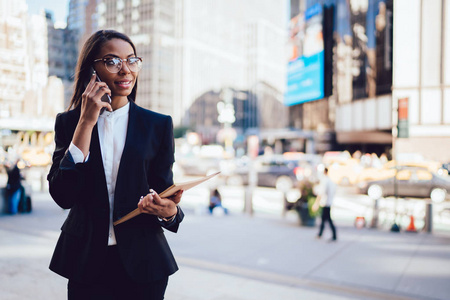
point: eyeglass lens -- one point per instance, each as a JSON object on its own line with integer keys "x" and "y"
{"x": 114, "y": 65}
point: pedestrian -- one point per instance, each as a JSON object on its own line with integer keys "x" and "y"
{"x": 14, "y": 188}
{"x": 215, "y": 201}
{"x": 105, "y": 165}
{"x": 325, "y": 199}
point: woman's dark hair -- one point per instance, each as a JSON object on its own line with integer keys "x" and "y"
{"x": 88, "y": 54}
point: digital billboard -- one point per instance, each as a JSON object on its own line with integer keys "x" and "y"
{"x": 363, "y": 49}
{"x": 305, "y": 72}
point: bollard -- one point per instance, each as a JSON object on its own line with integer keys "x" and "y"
{"x": 428, "y": 217}
{"x": 252, "y": 182}
{"x": 374, "y": 223}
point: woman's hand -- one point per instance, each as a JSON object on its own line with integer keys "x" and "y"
{"x": 91, "y": 102}
{"x": 162, "y": 207}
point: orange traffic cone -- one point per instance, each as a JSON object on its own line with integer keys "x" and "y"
{"x": 360, "y": 222}
{"x": 411, "y": 227}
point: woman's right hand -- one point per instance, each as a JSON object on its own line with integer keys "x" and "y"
{"x": 91, "y": 103}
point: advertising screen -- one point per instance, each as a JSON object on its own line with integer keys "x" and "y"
{"x": 305, "y": 72}
{"x": 363, "y": 49}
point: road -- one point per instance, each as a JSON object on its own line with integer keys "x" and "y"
{"x": 347, "y": 205}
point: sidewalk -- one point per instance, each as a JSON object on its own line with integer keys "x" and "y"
{"x": 363, "y": 264}
{"x": 237, "y": 257}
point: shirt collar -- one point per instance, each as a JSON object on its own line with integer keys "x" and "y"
{"x": 116, "y": 113}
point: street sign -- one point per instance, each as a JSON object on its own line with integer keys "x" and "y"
{"x": 402, "y": 125}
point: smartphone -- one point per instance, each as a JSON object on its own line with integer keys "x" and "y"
{"x": 105, "y": 97}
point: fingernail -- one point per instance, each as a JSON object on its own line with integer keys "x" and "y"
{"x": 152, "y": 191}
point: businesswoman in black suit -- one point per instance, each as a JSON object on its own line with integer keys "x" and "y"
{"x": 106, "y": 164}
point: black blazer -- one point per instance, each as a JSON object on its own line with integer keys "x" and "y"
{"x": 146, "y": 163}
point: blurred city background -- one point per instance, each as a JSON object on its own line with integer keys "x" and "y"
{"x": 269, "y": 92}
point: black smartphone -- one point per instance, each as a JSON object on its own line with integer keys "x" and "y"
{"x": 105, "y": 97}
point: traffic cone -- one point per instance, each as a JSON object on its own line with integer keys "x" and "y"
{"x": 411, "y": 227}
{"x": 360, "y": 222}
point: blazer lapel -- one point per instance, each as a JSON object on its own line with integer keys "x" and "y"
{"x": 126, "y": 153}
{"x": 96, "y": 155}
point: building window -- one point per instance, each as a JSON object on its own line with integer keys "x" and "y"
{"x": 135, "y": 15}
{"x": 120, "y": 18}
{"x": 135, "y": 28}
{"x": 120, "y": 4}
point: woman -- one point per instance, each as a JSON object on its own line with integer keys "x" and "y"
{"x": 104, "y": 165}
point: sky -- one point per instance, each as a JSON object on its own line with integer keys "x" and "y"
{"x": 59, "y": 8}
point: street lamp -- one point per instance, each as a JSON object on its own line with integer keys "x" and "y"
{"x": 225, "y": 108}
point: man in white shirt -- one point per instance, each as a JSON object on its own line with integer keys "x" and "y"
{"x": 325, "y": 198}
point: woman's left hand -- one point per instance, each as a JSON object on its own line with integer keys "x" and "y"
{"x": 162, "y": 207}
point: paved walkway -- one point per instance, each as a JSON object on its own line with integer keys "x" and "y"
{"x": 237, "y": 257}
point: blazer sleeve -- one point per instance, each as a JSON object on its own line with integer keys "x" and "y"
{"x": 66, "y": 179}
{"x": 175, "y": 223}
{"x": 161, "y": 172}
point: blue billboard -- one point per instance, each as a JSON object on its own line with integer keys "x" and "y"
{"x": 305, "y": 72}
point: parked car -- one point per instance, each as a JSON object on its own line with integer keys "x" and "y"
{"x": 410, "y": 182}
{"x": 388, "y": 169}
{"x": 206, "y": 160}
{"x": 342, "y": 168}
{"x": 446, "y": 167}
{"x": 278, "y": 171}
{"x": 345, "y": 172}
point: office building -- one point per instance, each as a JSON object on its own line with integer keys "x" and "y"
{"x": 195, "y": 47}
{"x": 14, "y": 72}
{"x": 237, "y": 45}
{"x": 340, "y": 72}
{"x": 151, "y": 26}
{"x": 420, "y": 91}
{"x": 29, "y": 99}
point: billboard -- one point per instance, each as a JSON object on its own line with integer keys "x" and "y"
{"x": 363, "y": 49}
{"x": 305, "y": 72}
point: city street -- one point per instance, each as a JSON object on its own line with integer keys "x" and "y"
{"x": 271, "y": 95}
{"x": 238, "y": 257}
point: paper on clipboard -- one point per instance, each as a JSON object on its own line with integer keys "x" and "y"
{"x": 167, "y": 193}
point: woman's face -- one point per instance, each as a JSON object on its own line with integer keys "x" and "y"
{"x": 121, "y": 84}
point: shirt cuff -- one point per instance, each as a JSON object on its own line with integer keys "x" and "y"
{"x": 168, "y": 220}
{"x": 77, "y": 154}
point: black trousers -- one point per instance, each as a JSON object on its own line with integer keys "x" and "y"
{"x": 115, "y": 284}
{"x": 327, "y": 218}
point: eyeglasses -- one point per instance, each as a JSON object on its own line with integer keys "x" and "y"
{"x": 114, "y": 64}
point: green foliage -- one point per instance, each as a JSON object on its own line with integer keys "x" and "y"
{"x": 311, "y": 200}
{"x": 179, "y": 132}
{"x": 307, "y": 198}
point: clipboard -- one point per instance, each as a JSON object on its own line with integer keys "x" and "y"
{"x": 171, "y": 190}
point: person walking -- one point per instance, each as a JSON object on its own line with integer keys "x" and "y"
{"x": 14, "y": 188}
{"x": 325, "y": 199}
{"x": 105, "y": 164}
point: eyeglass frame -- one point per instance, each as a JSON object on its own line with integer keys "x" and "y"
{"x": 121, "y": 61}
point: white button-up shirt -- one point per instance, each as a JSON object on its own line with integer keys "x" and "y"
{"x": 112, "y": 132}
{"x": 327, "y": 190}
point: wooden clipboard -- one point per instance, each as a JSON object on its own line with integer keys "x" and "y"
{"x": 167, "y": 193}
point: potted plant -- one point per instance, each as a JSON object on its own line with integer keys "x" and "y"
{"x": 304, "y": 205}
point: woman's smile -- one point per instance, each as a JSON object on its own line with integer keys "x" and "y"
{"x": 124, "y": 84}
